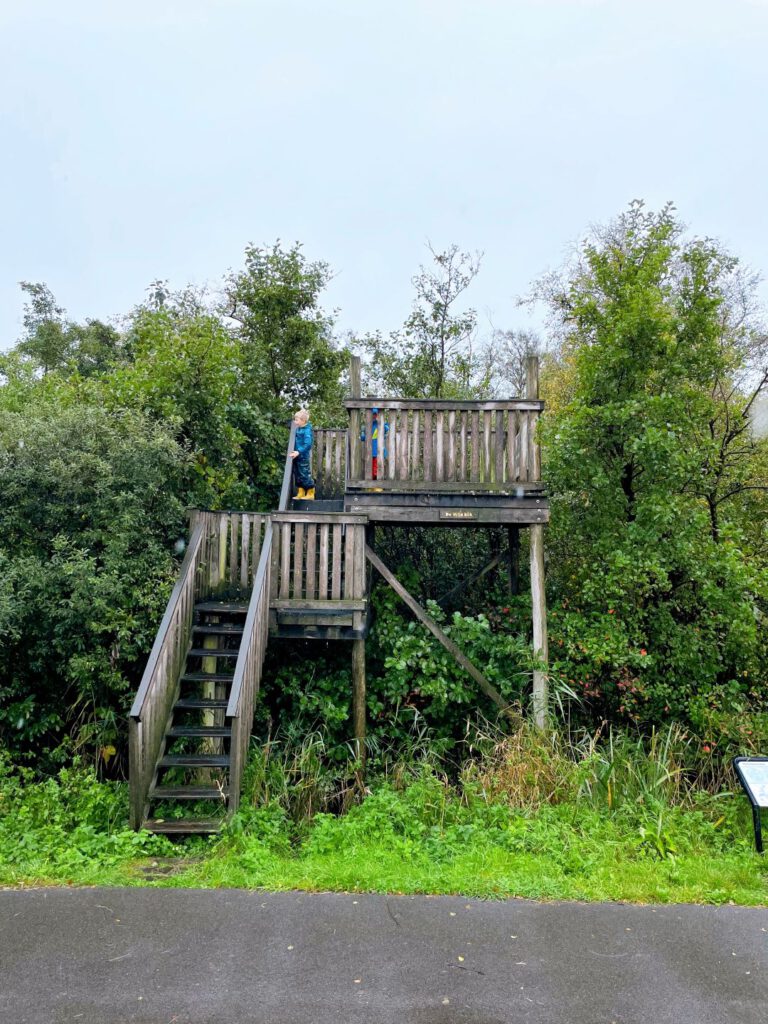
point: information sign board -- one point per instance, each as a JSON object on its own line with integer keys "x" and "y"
{"x": 752, "y": 773}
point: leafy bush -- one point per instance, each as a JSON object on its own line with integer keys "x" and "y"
{"x": 68, "y": 827}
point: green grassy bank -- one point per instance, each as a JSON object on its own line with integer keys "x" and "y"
{"x": 516, "y": 824}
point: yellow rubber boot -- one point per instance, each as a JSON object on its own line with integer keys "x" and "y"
{"x": 301, "y": 493}
{"x": 310, "y": 495}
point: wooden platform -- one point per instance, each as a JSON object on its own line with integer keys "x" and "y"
{"x": 448, "y": 508}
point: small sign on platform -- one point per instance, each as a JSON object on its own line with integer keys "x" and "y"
{"x": 752, "y": 773}
{"x": 457, "y": 513}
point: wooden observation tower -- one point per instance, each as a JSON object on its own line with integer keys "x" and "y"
{"x": 304, "y": 571}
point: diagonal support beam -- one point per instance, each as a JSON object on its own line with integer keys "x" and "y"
{"x": 488, "y": 689}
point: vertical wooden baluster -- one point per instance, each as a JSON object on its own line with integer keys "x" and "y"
{"x": 511, "y": 434}
{"x": 277, "y": 532}
{"x": 355, "y": 446}
{"x": 285, "y": 560}
{"x": 234, "y": 549}
{"x": 439, "y": 447}
{"x": 428, "y": 445}
{"x": 486, "y": 475}
{"x": 475, "y": 460}
{"x": 360, "y": 582}
{"x": 463, "y": 446}
{"x": 368, "y": 446}
{"x": 523, "y": 437}
{"x": 322, "y": 578}
{"x": 311, "y": 559}
{"x": 349, "y": 562}
{"x": 245, "y": 549}
{"x": 223, "y": 531}
{"x": 388, "y": 463}
{"x": 402, "y": 447}
{"x": 328, "y": 468}
{"x": 416, "y": 442}
{"x": 298, "y": 561}
{"x": 336, "y": 563}
{"x": 451, "y": 467}
{"x": 499, "y": 448}
{"x": 338, "y": 487}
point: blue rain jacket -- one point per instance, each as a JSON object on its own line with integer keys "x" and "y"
{"x": 303, "y": 440}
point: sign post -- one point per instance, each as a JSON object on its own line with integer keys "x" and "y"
{"x": 752, "y": 773}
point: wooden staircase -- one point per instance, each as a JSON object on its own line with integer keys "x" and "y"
{"x": 304, "y": 572}
{"x": 193, "y": 769}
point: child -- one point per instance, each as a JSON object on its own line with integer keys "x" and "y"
{"x": 303, "y": 441}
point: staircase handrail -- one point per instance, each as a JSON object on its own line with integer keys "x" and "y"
{"x": 250, "y": 656}
{"x": 154, "y": 699}
{"x": 188, "y": 568}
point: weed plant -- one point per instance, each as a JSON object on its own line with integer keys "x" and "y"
{"x": 541, "y": 815}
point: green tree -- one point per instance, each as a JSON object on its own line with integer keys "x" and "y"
{"x": 432, "y": 356}
{"x": 89, "y": 515}
{"x": 46, "y": 342}
{"x": 288, "y": 354}
{"x": 51, "y": 342}
{"x": 662, "y": 612}
{"x": 184, "y": 373}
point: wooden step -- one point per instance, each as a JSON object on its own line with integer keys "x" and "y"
{"x": 199, "y": 704}
{"x": 207, "y": 677}
{"x": 319, "y": 505}
{"x": 189, "y": 793}
{"x": 182, "y": 826}
{"x": 213, "y": 652}
{"x": 222, "y": 607}
{"x": 199, "y": 730}
{"x": 194, "y": 761}
{"x": 222, "y": 629}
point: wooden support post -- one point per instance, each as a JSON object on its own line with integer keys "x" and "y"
{"x": 539, "y": 611}
{"x": 513, "y": 537}
{"x": 354, "y": 454}
{"x": 358, "y": 699}
{"x": 355, "y": 386}
{"x": 538, "y": 593}
{"x": 532, "y": 377}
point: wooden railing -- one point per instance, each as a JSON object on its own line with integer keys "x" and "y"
{"x": 247, "y": 678}
{"x": 441, "y": 445}
{"x": 157, "y": 692}
{"x": 317, "y": 558}
{"x": 221, "y": 560}
{"x": 236, "y": 542}
{"x": 329, "y": 462}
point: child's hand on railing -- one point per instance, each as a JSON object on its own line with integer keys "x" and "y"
{"x": 294, "y": 455}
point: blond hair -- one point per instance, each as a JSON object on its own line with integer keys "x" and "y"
{"x": 302, "y": 414}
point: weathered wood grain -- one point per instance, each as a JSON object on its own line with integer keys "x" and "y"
{"x": 499, "y": 439}
{"x": 311, "y": 575}
{"x": 322, "y": 575}
{"x": 427, "y": 473}
{"x": 336, "y": 562}
{"x": 439, "y": 445}
{"x": 298, "y": 560}
{"x": 475, "y": 461}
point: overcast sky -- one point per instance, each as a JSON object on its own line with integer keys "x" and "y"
{"x": 155, "y": 140}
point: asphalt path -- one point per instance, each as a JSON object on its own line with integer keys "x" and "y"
{"x": 174, "y": 956}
